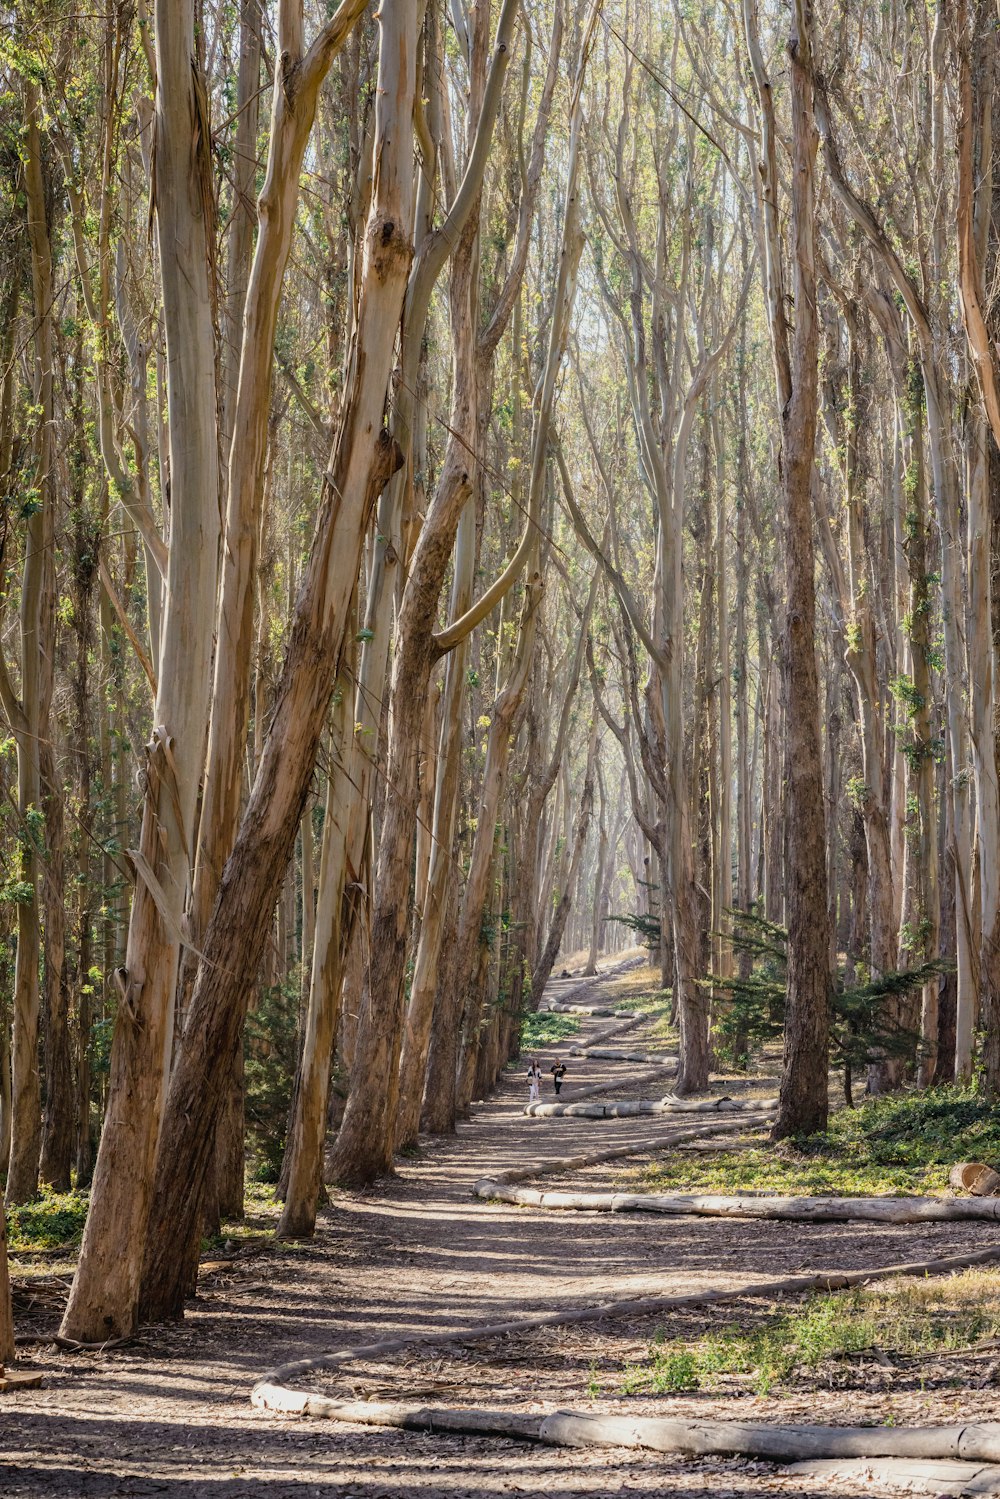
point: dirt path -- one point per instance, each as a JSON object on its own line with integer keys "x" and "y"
{"x": 171, "y": 1415}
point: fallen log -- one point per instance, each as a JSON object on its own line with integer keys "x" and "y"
{"x": 610, "y": 1054}
{"x": 595, "y": 1011}
{"x": 555, "y": 1110}
{"x": 777, "y": 1443}
{"x": 755, "y": 1439}
{"x": 566, "y": 988}
{"x": 932, "y": 1476}
{"x": 799, "y": 1209}
{"x": 630, "y": 1108}
{"x": 673, "y": 1140}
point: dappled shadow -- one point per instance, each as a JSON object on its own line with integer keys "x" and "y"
{"x": 287, "y": 1459}
{"x": 414, "y": 1256}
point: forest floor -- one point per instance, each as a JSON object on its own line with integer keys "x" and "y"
{"x": 170, "y": 1413}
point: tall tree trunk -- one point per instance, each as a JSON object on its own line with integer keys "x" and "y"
{"x": 803, "y": 1100}
{"x": 105, "y": 1294}
{"x": 426, "y": 970}
{"x": 553, "y": 940}
{"x": 7, "y": 1348}
{"x": 29, "y": 716}
{"x": 362, "y": 459}
{"x": 467, "y": 973}
{"x": 58, "y": 1121}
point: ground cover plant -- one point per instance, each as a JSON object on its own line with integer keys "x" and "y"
{"x": 541, "y": 1028}
{"x": 896, "y": 1144}
{"x": 54, "y": 1220}
{"x": 893, "y": 1322}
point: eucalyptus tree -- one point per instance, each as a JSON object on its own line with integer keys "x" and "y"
{"x": 920, "y": 276}
{"x": 26, "y": 706}
{"x": 365, "y": 1143}
{"x": 661, "y": 261}
{"x": 803, "y": 1100}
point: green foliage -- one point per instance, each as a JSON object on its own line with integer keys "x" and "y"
{"x": 863, "y": 1025}
{"x": 52, "y": 1220}
{"x": 270, "y": 1059}
{"x": 791, "y": 1172}
{"x": 906, "y": 1319}
{"x": 936, "y": 1126}
{"x": 17, "y": 893}
{"x": 647, "y": 927}
{"x": 540, "y": 1029}
{"x": 895, "y": 1144}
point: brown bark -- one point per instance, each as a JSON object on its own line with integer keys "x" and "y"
{"x": 441, "y": 877}
{"x": 550, "y": 951}
{"x": 803, "y": 1101}
{"x": 364, "y": 1147}
{"x": 57, "y": 1121}
{"x": 361, "y": 462}
{"x": 7, "y": 1349}
{"x": 467, "y": 973}
{"x": 104, "y": 1298}
{"x": 29, "y": 716}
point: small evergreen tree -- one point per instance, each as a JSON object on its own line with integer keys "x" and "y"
{"x": 863, "y": 1028}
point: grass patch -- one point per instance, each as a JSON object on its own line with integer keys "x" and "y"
{"x": 908, "y": 1319}
{"x": 784, "y": 1170}
{"x": 653, "y": 1002}
{"x": 540, "y": 1029}
{"x": 896, "y": 1145}
{"x": 53, "y": 1221}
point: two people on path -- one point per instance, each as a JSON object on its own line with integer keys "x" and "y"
{"x": 534, "y": 1075}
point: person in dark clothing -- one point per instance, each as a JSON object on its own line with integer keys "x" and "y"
{"x": 558, "y": 1073}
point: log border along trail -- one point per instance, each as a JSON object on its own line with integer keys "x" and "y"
{"x": 961, "y": 1458}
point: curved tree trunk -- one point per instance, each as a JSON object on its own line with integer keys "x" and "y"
{"x": 426, "y": 971}
{"x": 361, "y": 462}
{"x": 104, "y": 1298}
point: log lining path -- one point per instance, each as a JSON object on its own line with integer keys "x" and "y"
{"x": 419, "y": 1255}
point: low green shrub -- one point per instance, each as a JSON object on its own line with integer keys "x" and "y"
{"x": 540, "y": 1029}
{"x": 53, "y": 1220}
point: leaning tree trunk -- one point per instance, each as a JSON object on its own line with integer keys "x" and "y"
{"x": 364, "y": 1146}
{"x": 362, "y": 460}
{"x": 450, "y": 1083}
{"x": 420, "y": 1010}
{"x": 299, "y": 75}
{"x": 105, "y": 1296}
